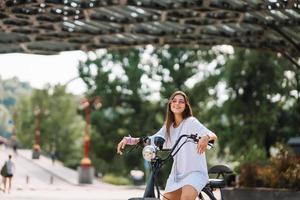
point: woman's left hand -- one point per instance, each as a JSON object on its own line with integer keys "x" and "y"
{"x": 202, "y": 144}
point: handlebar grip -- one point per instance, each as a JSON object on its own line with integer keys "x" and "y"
{"x": 210, "y": 144}
{"x": 142, "y": 141}
{"x": 196, "y": 138}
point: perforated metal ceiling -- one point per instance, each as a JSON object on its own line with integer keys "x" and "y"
{"x": 52, "y": 26}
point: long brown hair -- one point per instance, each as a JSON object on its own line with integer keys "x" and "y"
{"x": 170, "y": 115}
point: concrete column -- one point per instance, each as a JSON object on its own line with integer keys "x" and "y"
{"x": 85, "y": 174}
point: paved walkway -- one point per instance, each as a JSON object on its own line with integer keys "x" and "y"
{"x": 56, "y": 170}
{"x": 40, "y": 180}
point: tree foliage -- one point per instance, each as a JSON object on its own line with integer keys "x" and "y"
{"x": 10, "y": 91}
{"x": 248, "y": 98}
{"x": 59, "y": 126}
{"x": 260, "y": 105}
{"x": 127, "y": 82}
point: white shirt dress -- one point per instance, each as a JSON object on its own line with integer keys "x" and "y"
{"x": 189, "y": 167}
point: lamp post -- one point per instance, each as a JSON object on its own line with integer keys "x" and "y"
{"x": 86, "y": 170}
{"x": 38, "y": 112}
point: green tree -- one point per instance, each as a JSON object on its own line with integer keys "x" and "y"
{"x": 124, "y": 80}
{"x": 5, "y": 118}
{"x": 248, "y": 98}
{"x": 123, "y": 105}
{"x": 10, "y": 91}
{"x": 61, "y": 126}
{"x": 258, "y": 107}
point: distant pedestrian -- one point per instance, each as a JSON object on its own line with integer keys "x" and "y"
{"x": 15, "y": 148}
{"x": 3, "y": 172}
{"x": 7, "y": 172}
{"x": 53, "y": 156}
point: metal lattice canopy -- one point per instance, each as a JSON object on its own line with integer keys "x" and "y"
{"x": 52, "y": 26}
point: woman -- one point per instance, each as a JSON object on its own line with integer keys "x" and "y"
{"x": 8, "y": 174}
{"x": 189, "y": 171}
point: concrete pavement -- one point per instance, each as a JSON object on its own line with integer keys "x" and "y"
{"x": 40, "y": 180}
{"x": 71, "y": 194}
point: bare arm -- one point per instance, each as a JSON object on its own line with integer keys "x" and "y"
{"x": 203, "y": 142}
{"x": 126, "y": 141}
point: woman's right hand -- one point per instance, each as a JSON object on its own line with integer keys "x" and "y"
{"x": 121, "y": 146}
{"x": 126, "y": 141}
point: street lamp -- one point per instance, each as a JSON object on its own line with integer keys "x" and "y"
{"x": 86, "y": 171}
{"x": 38, "y": 112}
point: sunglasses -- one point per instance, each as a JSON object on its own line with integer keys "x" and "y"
{"x": 180, "y": 101}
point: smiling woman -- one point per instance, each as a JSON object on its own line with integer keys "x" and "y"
{"x": 41, "y": 70}
{"x": 185, "y": 180}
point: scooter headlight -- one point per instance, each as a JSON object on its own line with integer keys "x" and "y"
{"x": 149, "y": 152}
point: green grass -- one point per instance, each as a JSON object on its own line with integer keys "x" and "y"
{"x": 116, "y": 180}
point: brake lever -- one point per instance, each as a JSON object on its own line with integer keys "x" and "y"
{"x": 196, "y": 138}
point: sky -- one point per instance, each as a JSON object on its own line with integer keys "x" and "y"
{"x": 40, "y": 70}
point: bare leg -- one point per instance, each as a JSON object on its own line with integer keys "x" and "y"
{"x": 175, "y": 195}
{"x": 188, "y": 193}
{"x": 9, "y": 184}
{"x": 4, "y": 183}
